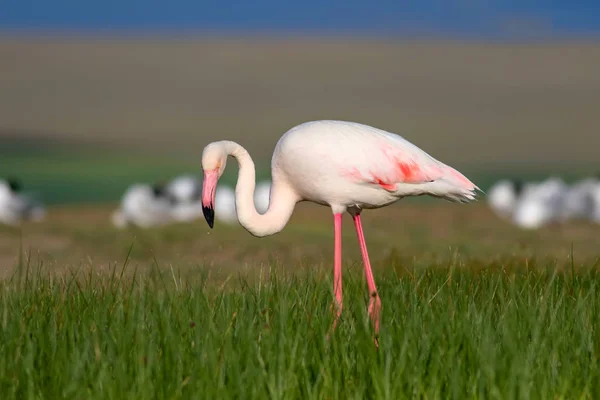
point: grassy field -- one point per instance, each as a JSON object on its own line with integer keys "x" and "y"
{"x": 472, "y": 308}
{"x": 447, "y": 333}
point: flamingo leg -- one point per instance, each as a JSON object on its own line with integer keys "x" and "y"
{"x": 337, "y": 266}
{"x": 375, "y": 301}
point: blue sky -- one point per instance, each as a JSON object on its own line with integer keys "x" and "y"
{"x": 459, "y": 17}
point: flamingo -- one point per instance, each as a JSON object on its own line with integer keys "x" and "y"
{"x": 346, "y": 166}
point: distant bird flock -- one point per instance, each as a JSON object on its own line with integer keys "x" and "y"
{"x": 532, "y": 205}
{"x": 142, "y": 205}
{"x": 180, "y": 200}
{"x": 528, "y": 205}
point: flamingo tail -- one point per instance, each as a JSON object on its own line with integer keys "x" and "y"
{"x": 453, "y": 186}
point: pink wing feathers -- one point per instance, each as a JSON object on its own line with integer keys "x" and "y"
{"x": 389, "y": 160}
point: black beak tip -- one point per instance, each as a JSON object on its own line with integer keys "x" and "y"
{"x": 209, "y": 215}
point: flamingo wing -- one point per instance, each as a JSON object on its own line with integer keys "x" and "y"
{"x": 386, "y": 159}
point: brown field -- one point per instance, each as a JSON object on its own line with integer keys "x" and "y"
{"x": 402, "y": 236}
{"x": 497, "y": 105}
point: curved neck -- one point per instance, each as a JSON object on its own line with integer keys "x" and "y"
{"x": 282, "y": 199}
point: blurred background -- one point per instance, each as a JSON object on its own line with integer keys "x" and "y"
{"x": 97, "y": 95}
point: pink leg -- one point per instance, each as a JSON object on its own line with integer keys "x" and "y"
{"x": 337, "y": 266}
{"x": 375, "y": 301}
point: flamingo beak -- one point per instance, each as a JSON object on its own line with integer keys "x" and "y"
{"x": 209, "y": 186}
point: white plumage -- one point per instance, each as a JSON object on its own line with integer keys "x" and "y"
{"x": 225, "y": 210}
{"x": 537, "y": 204}
{"x": 185, "y": 189}
{"x": 349, "y": 165}
{"x": 503, "y": 197}
{"x": 540, "y": 204}
{"x": 261, "y": 196}
{"x": 16, "y": 207}
{"x": 185, "y": 192}
{"x": 343, "y": 165}
{"x": 579, "y": 201}
{"x": 225, "y": 205}
{"x": 143, "y": 205}
{"x": 595, "y": 196}
{"x": 532, "y": 213}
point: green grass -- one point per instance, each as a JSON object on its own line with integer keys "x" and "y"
{"x": 473, "y": 307}
{"x": 447, "y": 332}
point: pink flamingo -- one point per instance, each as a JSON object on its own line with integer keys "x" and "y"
{"x": 344, "y": 165}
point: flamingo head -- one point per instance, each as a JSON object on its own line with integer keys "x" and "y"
{"x": 214, "y": 159}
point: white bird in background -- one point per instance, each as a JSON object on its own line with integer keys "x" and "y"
{"x": 185, "y": 188}
{"x": 344, "y": 165}
{"x": 225, "y": 205}
{"x": 225, "y": 210}
{"x": 532, "y": 213}
{"x": 185, "y": 191}
{"x": 261, "y": 196}
{"x": 145, "y": 206}
{"x": 579, "y": 200}
{"x": 541, "y": 204}
{"x": 15, "y": 207}
{"x": 503, "y": 196}
{"x": 595, "y": 195}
